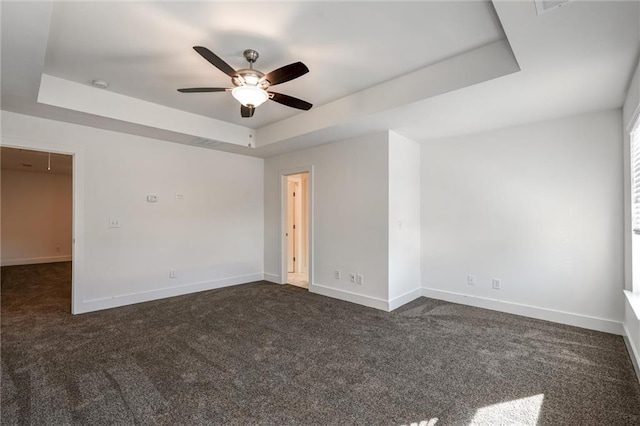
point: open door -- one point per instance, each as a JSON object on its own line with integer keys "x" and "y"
{"x": 297, "y": 230}
{"x": 292, "y": 186}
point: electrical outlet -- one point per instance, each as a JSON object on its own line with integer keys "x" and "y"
{"x": 359, "y": 279}
{"x": 152, "y": 198}
{"x": 336, "y": 274}
{"x": 471, "y": 279}
{"x": 114, "y": 222}
{"x": 58, "y": 249}
{"x": 495, "y": 283}
{"x": 173, "y": 273}
{"x": 352, "y": 278}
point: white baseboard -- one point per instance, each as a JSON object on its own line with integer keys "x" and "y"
{"x": 146, "y": 296}
{"x": 633, "y": 352}
{"x": 409, "y": 296}
{"x": 35, "y": 260}
{"x": 568, "y": 318}
{"x": 347, "y": 296}
{"x": 272, "y": 278}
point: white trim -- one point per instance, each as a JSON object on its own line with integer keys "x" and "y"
{"x": 146, "y": 296}
{"x": 272, "y": 278}
{"x": 409, "y": 296}
{"x": 347, "y": 296}
{"x": 633, "y": 353}
{"x": 568, "y": 318}
{"x": 35, "y": 260}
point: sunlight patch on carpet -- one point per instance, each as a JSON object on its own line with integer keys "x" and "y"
{"x": 523, "y": 411}
{"x": 430, "y": 422}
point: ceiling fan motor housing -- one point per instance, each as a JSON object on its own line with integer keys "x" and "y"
{"x": 250, "y": 77}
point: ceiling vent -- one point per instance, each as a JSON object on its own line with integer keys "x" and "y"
{"x": 543, "y": 6}
{"x": 205, "y": 143}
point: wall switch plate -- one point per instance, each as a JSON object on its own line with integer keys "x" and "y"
{"x": 114, "y": 222}
{"x": 151, "y": 198}
{"x": 352, "y": 278}
{"x": 471, "y": 279}
{"x": 495, "y": 283}
{"x": 359, "y": 279}
{"x": 179, "y": 196}
{"x": 336, "y": 274}
{"x": 173, "y": 273}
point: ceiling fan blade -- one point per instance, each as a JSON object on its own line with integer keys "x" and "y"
{"x": 215, "y": 60}
{"x": 247, "y": 112}
{"x": 286, "y": 73}
{"x": 202, "y": 89}
{"x": 290, "y": 101}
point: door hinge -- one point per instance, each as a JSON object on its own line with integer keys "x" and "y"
{"x": 294, "y": 227}
{"x": 294, "y": 258}
{"x": 294, "y": 194}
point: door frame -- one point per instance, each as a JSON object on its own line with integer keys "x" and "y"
{"x": 77, "y": 200}
{"x": 283, "y": 220}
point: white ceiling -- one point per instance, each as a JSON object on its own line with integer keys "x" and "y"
{"x": 144, "y": 50}
{"x": 425, "y": 69}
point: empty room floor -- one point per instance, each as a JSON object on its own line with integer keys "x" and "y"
{"x": 299, "y": 279}
{"x": 268, "y": 354}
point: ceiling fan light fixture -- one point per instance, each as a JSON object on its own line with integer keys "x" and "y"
{"x": 250, "y": 95}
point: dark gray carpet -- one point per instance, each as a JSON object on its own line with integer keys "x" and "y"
{"x": 267, "y": 354}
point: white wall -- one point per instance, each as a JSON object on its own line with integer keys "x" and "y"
{"x": 349, "y": 186}
{"x": 36, "y": 217}
{"x": 538, "y": 206}
{"x": 404, "y": 220}
{"x": 213, "y": 237}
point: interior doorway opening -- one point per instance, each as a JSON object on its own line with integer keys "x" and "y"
{"x": 297, "y": 229}
{"x": 37, "y": 224}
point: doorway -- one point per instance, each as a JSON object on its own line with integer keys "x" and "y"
{"x": 37, "y": 224}
{"x": 297, "y": 229}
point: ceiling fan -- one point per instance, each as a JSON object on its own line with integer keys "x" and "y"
{"x": 250, "y": 85}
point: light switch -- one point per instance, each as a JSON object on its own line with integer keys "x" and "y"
{"x": 152, "y": 198}
{"x": 114, "y": 222}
